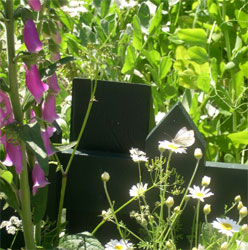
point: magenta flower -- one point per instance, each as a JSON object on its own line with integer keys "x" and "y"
{"x": 35, "y": 4}
{"x": 34, "y": 83}
{"x": 39, "y": 179}
{"x": 50, "y": 130}
{"x": 31, "y": 37}
{"x": 49, "y": 109}
{"x": 46, "y": 141}
{"x": 53, "y": 83}
{"x": 6, "y": 114}
{"x": 13, "y": 156}
{"x": 55, "y": 56}
{"x": 56, "y": 37}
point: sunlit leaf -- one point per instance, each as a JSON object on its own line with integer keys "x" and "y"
{"x": 156, "y": 20}
{"x": 239, "y": 137}
{"x": 129, "y": 60}
{"x": 203, "y": 82}
{"x": 198, "y": 54}
{"x": 242, "y": 18}
{"x": 193, "y": 36}
{"x": 165, "y": 66}
{"x": 137, "y": 34}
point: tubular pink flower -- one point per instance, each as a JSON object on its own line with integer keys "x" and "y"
{"x": 31, "y": 37}
{"x": 50, "y": 130}
{"x": 53, "y": 83}
{"x": 35, "y": 4}
{"x": 13, "y": 157}
{"x": 46, "y": 141}
{"x": 39, "y": 179}
{"x": 56, "y": 37}
{"x": 49, "y": 109}
{"x": 34, "y": 83}
{"x": 6, "y": 114}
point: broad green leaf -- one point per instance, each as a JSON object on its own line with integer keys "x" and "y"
{"x": 156, "y": 20}
{"x": 144, "y": 15}
{"x": 238, "y": 83}
{"x": 198, "y": 54}
{"x": 63, "y": 147}
{"x": 165, "y": 66}
{"x": 239, "y": 137}
{"x": 137, "y": 34}
{"x": 244, "y": 69}
{"x": 242, "y": 18}
{"x": 193, "y": 36}
{"x": 154, "y": 73}
{"x": 129, "y": 60}
{"x": 203, "y": 82}
{"x": 39, "y": 202}
{"x": 6, "y": 175}
{"x": 8, "y": 190}
{"x": 105, "y": 4}
{"x": 80, "y": 241}
{"x": 31, "y": 135}
{"x": 188, "y": 79}
{"x": 153, "y": 57}
{"x": 213, "y": 11}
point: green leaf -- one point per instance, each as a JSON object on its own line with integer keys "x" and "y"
{"x": 203, "y": 82}
{"x": 31, "y": 135}
{"x": 153, "y": 57}
{"x": 63, "y": 147}
{"x": 156, "y": 20}
{"x": 239, "y": 137}
{"x": 80, "y": 241}
{"x": 242, "y": 18}
{"x": 198, "y": 54}
{"x": 65, "y": 19}
{"x": 144, "y": 15}
{"x": 39, "y": 202}
{"x": 238, "y": 83}
{"x": 165, "y": 66}
{"x": 137, "y": 34}
{"x": 6, "y": 175}
{"x": 193, "y": 36}
{"x": 244, "y": 69}
{"x": 11, "y": 195}
{"x": 105, "y": 7}
{"x": 129, "y": 60}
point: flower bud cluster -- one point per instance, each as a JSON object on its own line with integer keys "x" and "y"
{"x": 12, "y": 226}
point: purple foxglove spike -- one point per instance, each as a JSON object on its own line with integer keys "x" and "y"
{"x": 32, "y": 116}
{"x": 50, "y": 130}
{"x": 49, "y": 109}
{"x": 46, "y": 141}
{"x": 13, "y": 157}
{"x": 35, "y": 4}
{"x": 39, "y": 179}
{"x": 34, "y": 83}
{"x": 55, "y": 56}
{"x": 53, "y": 83}
{"x": 56, "y": 37}
{"x": 31, "y": 37}
{"x": 6, "y": 114}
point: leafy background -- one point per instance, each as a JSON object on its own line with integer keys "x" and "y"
{"x": 192, "y": 51}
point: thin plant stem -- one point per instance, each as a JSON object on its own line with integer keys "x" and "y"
{"x": 26, "y": 214}
{"x": 197, "y": 221}
{"x": 13, "y": 241}
{"x": 38, "y": 233}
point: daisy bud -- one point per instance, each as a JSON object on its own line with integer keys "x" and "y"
{"x": 35, "y": 4}
{"x": 31, "y": 37}
{"x": 224, "y": 246}
{"x": 39, "y": 179}
{"x": 237, "y": 198}
{"x": 168, "y": 244}
{"x": 240, "y": 205}
{"x": 206, "y": 181}
{"x": 244, "y": 228}
{"x": 243, "y": 211}
{"x": 169, "y": 202}
{"x": 198, "y": 153}
{"x": 105, "y": 177}
{"x": 177, "y": 209}
{"x": 207, "y": 209}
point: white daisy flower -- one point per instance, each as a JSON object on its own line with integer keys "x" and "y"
{"x": 163, "y": 145}
{"x": 226, "y": 226}
{"x": 118, "y": 245}
{"x": 138, "y": 190}
{"x": 198, "y": 193}
{"x": 138, "y": 155}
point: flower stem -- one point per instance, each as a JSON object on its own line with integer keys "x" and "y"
{"x": 197, "y": 221}
{"x": 26, "y": 215}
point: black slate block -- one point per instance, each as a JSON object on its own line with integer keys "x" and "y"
{"x": 119, "y": 119}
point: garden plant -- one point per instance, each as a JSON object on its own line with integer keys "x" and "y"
{"x": 194, "y": 51}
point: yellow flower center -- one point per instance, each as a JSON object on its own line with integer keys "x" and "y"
{"x": 173, "y": 146}
{"x": 226, "y": 226}
{"x": 118, "y": 247}
{"x": 199, "y": 194}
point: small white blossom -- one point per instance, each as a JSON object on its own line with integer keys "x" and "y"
{"x": 163, "y": 145}
{"x": 138, "y": 155}
{"x": 118, "y": 244}
{"x": 226, "y": 226}
{"x": 138, "y": 190}
{"x": 11, "y": 230}
{"x": 200, "y": 194}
